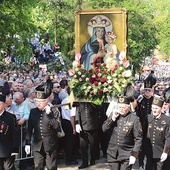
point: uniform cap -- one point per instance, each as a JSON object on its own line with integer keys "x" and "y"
{"x": 43, "y": 91}
{"x": 150, "y": 81}
{"x": 158, "y": 101}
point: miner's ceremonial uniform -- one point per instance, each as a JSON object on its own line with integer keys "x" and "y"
{"x": 9, "y": 138}
{"x": 43, "y": 126}
{"x": 125, "y": 141}
{"x": 158, "y": 133}
{"x": 142, "y": 110}
{"x": 166, "y": 111}
{"x": 87, "y": 116}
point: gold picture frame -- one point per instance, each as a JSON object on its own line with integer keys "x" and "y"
{"x": 117, "y": 18}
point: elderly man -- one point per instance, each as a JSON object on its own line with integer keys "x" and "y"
{"x": 43, "y": 126}
{"x": 21, "y": 110}
{"x": 30, "y": 95}
{"x": 126, "y": 138}
{"x": 158, "y": 133}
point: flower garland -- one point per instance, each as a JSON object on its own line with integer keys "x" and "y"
{"x": 99, "y": 83}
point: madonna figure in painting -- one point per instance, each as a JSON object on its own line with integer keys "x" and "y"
{"x": 95, "y": 46}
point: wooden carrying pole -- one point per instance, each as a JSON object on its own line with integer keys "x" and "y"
{"x": 60, "y": 105}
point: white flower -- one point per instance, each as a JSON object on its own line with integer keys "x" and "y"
{"x": 89, "y": 87}
{"x": 120, "y": 68}
{"x": 87, "y": 79}
{"x": 83, "y": 76}
{"x": 99, "y": 83}
{"x": 105, "y": 90}
{"x": 108, "y": 77}
{"x": 76, "y": 69}
{"x": 84, "y": 87}
{"x": 127, "y": 73}
{"x": 95, "y": 91}
{"x": 109, "y": 81}
{"x": 105, "y": 84}
{"x": 93, "y": 76}
{"x": 110, "y": 87}
{"x": 114, "y": 75}
{"x": 79, "y": 73}
{"x": 75, "y": 76}
{"x": 99, "y": 74}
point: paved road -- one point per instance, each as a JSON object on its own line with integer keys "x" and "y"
{"x": 101, "y": 164}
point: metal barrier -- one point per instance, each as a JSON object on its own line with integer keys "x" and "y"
{"x": 22, "y": 155}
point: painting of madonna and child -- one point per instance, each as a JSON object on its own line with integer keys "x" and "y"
{"x": 101, "y": 37}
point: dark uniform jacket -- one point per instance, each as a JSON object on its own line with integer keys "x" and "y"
{"x": 126, "y": 137}
{"x": 158, "y": 133}
{"x": 143, "y": 109}
{"x": 9, "y": 135}
{"x": 45, "y": 130}
{"x": 89, "y": 115}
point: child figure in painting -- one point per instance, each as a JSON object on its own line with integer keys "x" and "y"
{"x": 112, "y": 52}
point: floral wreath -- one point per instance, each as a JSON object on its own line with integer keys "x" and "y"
{"x": 98, "y": 84}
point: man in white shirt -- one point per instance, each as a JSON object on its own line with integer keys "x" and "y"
{"x": 69, "y": 129}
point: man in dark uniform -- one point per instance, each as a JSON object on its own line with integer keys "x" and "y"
{"x": 166, "y": 111}
{"x": 87, "y": 125}
{"x": 142, "y": 110}
{"x": 126, "y": 138}
{"x": 45, "y": 127}
{"x": 9, "y": 137}
{"x": 158, "y": 133}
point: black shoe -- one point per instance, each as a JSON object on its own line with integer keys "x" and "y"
{"x": 92, "y": 162}
{"x": 71, "y": 163}
{"x": 104, "y": 155}
{"x": 83, "y": 166}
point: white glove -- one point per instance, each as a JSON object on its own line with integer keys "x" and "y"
{"x": 12, "y": 154}
{"x": 47, "y": 109}
{"x": 163, "y": 157}
{"x": 112, "y": 106}
{"x": 132, "y": 160}
{"x": 78, "y": 128}
{"x": 115, "y": 115}
{"x": 27, "y": 149}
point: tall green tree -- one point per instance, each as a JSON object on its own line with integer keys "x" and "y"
{"x": 15, "y": 23}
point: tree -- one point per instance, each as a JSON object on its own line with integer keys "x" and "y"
{"x": 15, "y": 23}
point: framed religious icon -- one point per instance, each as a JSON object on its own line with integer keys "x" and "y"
{"x": 101, "y": 36}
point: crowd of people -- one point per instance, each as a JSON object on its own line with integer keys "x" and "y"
{"x": 42, "y": 50}
{"x": 136, "y": 127}
{"x": 162, "y": 70}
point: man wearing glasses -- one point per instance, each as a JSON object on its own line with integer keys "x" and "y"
{"x": 142, "y": 110}
{"x": 56, "y": 90}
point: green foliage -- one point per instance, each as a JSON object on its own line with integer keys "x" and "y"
{"x": 148, "y": 24}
